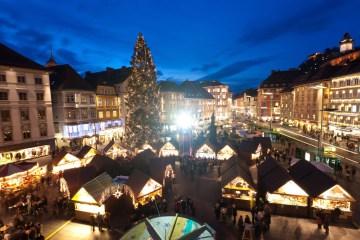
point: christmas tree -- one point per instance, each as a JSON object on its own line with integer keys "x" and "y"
{"x": 142, "y": 100}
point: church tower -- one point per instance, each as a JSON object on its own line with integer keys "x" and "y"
{"x": 51, "y": 62}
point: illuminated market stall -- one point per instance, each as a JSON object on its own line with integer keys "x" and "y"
{"x": 114, "y": 150}
{"x": 237, "y": 184}
{"x": 86, "y": 154}
{"x": 170, "y": 227}
{"x": 144, "y": 147}
{"x": 325, "y": 192}
{"x": 225, "y": 153}
{"x": 14, "y": 176}
{"x": 144, "y": 188}
{"x": 168, "y": 149}
{"x": 206, "y": 150}
{"x": 89, "y": 199}
{"x": 281, "y": 191}
{"x": 64, "y": 160}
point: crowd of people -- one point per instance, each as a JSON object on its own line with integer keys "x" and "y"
{"x": 185, "y": 206}
{"x": 259, "y": 223}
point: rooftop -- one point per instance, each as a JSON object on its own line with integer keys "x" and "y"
{"x": 11, "y": 58}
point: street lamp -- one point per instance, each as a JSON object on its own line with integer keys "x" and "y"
{"x": 271, "y": 99}
{"x": 185, "y": 121}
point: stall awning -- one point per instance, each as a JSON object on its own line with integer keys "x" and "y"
{"x": 271, "y": 175}
{"x": 226, "y": 152}
{"x": 336, "y": 193}
{"x": 10, "y": 169}
{"x": 233, "y": 169}
{"x": 310, "y": 178}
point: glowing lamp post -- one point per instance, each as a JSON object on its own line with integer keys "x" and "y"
{"x": 185, "y": 121}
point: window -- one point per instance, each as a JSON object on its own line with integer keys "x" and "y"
{"x": 70, "y": 98}
{"x": 3, "y": 95}
{"x": 71, "y": 114}
{"x": 38, "y": 81}
{"x": 108, "y": 114}
{"x": 41, "y": 114}
{"x": 40, "y": 96}
{"x": 114, "y": 114}
{"x": 5, "y": 115}
{"x": 2, "y": 77}
{"x": 24, "y": 114}
{"x": 22, "y": 96}
{"x": 101, "y": 114}
{"x": 43, "y": 130}
{"x": 93, "y": 114}
{"x": 83, "y": 99}
{"x": 99, "y": 102}
{"x": 21, "y": 79}
{"x": 26, "y": 131}
{"x": 7, "y": 133}
{"x": 84, "y": 113}
{"x": 92, "y": 100}
{"x": 348, "y": 82}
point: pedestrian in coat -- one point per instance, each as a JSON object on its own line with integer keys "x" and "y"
{"x": 326, "y": 224}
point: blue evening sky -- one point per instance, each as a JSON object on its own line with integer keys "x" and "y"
{"x": 238, "y": 42}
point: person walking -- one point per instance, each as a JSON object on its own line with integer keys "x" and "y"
{"x": 319, "y": 221}
{"x": 234, "y": 213}
{"x": 99, "y": 221}
{"x": 92, "y": 221}
{"x": 326, "y": 224}
{"x": 217, "y": 211}
{"x": 240, "y": 225}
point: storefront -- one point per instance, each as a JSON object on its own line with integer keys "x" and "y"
{"x": 24, "y": 154}
{"x": 144, "y": 188}
{"x": 64, "y": 161}
{"x": 289, "y": 194}
{"x": 168, "y": 149}
{"x": 114, "y": 150}
{"x": 205, "y": 151}
{"x": 225, "y": 153}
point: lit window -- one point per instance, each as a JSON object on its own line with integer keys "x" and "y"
{"x": 101, "y": 114}
{"x": 108, "y": 114}
{"x": 7, "y": 133}
{"x": 114, "y": 114}
{"x": 26, "y": 131}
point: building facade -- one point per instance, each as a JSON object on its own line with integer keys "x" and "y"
{"x": 269, "y": 94}
{"x": 223, "y": 99}
{"x": 287, "y": 99}
{"x": 345, "y": 100}
{"x": 74, "y": 108}
{"x": 26, "y": 126}
{"x": 245, "y": 104}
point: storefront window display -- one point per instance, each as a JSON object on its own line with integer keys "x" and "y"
{"x": 335, "y": 197}
{"x": 289, "y": 194}
{"x": 24, "y": 154}
{"x": 238, "y": 188}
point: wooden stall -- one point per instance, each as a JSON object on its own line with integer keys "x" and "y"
{"x": 206, "y": 151}
{"x": 325, "y": 192}
{"x": 86, "y": 154}
{"x": 281, "y": 191}
{"x": 15, "y": 176}
{"x": 89, "y": 199}
{"x": 225, "y": 152}
{"x": 168, "y": 150}
{"x": 237, "y": 184}
{"x": 144, "y": 188}
{"x": 64, "y": 160}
